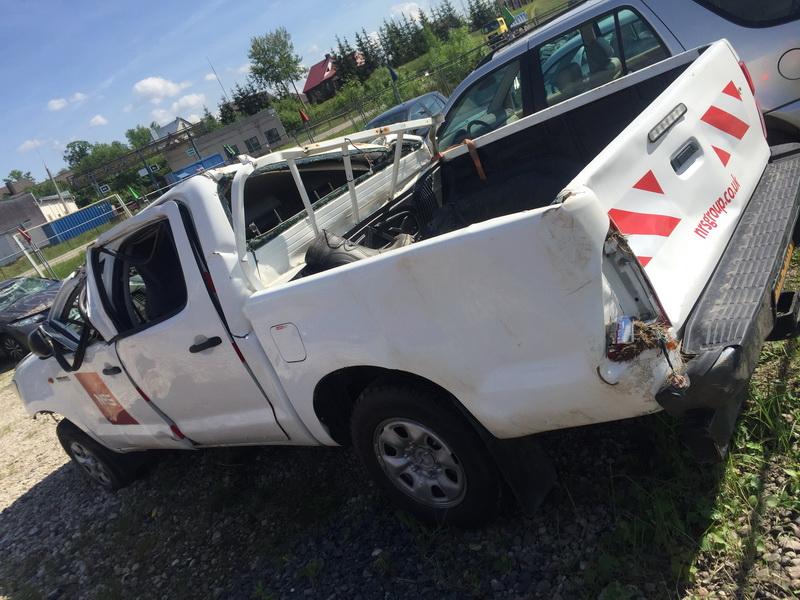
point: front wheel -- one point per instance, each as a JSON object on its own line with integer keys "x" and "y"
{"x": 425, "y": 454}
{"x": 13, "y": 349}
{"x": 111, "y": 470}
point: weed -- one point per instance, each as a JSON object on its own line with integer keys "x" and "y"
{"x": 312, "y": 570}
{"x": 260, "y": 592}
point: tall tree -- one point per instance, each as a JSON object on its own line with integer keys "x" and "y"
{"x": 480, "y": 13}
{"x": 75, "y": 152}
{"x": 227, "y": 112}
{"x": 17, "y": 175}
{"x": 139, "y": 136}
{"x": 345, "y": 61}
{"x": 367, "y": 49}
{"x": 273, "y": 62}
{"x": 209, "y": 120}
{"x": 249, "y": 99}
{"x": 445, "y": 18}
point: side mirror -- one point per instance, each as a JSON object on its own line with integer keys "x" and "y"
{"x": 40, "y": 344}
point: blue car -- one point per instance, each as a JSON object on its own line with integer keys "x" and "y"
{"x": 420, "y": 107}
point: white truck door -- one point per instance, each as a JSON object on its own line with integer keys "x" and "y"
{"x": 106, "y": 403}
{"x": 172, "y": 341}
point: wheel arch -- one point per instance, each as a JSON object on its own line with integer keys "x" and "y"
{"x": 335, "y": 396}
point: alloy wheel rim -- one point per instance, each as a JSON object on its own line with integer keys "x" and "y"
{"x": 89, "y": 462}
{"x": 13, "y": 348}
{"x": 419, "y": 463}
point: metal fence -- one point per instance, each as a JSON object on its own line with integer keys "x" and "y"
{"x": 51, "y": 248}
{"x": 443, "y": 78}
{"x": 86, "y": 219}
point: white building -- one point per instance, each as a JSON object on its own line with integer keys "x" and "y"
{"x": 53, "y": 208}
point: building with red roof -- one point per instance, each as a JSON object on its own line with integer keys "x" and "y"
{"x": 321, "y": 81}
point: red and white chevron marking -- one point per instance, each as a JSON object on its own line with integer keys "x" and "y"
{"x": 645, "y": 215}
{"x": 646, "y": 231}
{"x": 727, "y": 114}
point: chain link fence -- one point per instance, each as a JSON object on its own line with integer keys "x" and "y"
{"x": 443, "y": 78}
{"x": 54, "y": 249}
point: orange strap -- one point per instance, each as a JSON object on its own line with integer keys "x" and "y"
{"x": 476, "y": 160}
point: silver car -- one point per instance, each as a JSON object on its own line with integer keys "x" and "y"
{"x": 602, "y": 40}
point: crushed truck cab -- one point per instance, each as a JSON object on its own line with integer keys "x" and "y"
{"x": 437, "y": 308}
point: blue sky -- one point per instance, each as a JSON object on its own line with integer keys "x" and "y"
{"x": 90, "y": 70}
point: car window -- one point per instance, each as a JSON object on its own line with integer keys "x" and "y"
{"x": 489, "y": 103}
{"x": 590, "y": 56}
{"x": 434, "y": 104}
{"x": 580, "y": 60}
{"x": 641, "y": 46}
{"x": 70, "y": 316}
{"x": 418, "y": 110}
{"x": 147, "y": 282}
{"x": 389, "y": 118}
{"x": 754, "y": 13}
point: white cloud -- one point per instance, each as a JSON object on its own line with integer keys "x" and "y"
{"x": 313, "y": 49}
{"x": 127, "y": 108}
{"x": 245, "y": 68}
{"x": 59, "y": 103}
{"x": 162, "y": 116}
{"x": 29, "y": 145}
{"x": 98, "y": 121}
{"x": 409, "y": 9}
{"x": 156, "y": 89}
{"x": 189, "y": 102}
{"x": 210, "y": 77}
{"x": 56, "y": 104}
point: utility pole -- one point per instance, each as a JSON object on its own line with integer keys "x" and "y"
{"x": 299, "y": 97}
{"x": 219, "y": 81}
{"x": 58, "y": 191}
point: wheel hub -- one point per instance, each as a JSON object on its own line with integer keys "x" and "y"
{"x": 93, "y": 467}
{"x": 419, "y": 463}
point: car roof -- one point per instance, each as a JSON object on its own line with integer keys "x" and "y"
{"x": 536, "y": 36}
{"x": 398, "y": 108}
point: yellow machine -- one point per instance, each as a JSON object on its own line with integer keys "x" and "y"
{"x": 495, "y": 30}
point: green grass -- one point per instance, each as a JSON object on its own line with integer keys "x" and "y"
{"x": 64, "y": 268}
{"x": 51, "y": 253}
{"x": 687, "y": 520}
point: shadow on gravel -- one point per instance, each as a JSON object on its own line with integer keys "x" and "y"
{"x": 298, "y": 522}
{"x": 6, "y": 365}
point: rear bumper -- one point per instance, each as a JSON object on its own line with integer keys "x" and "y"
{"x": 737, "y": 311}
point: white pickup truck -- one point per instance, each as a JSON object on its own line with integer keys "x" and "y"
{"x": 436, "y": 328}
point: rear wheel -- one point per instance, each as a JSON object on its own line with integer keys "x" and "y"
{"x": 12, "y": 348}
{"x": 111, "y": 470}
{"x": 424, "y": 454}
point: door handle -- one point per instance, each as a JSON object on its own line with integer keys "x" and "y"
{"x": 112, "y": 371}
{"x": 209, "y": 343}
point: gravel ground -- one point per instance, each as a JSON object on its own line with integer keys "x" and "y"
{"x": 305, "y": 523}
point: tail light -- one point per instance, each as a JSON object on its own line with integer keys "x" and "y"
{"x": 629, "y": 301}
{"x": 752, "y": 87}
{"x": 749, "y": 79}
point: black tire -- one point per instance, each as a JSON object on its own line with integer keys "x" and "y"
{"x": 382, "y": 410}
{"x": 108, "y": 469}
